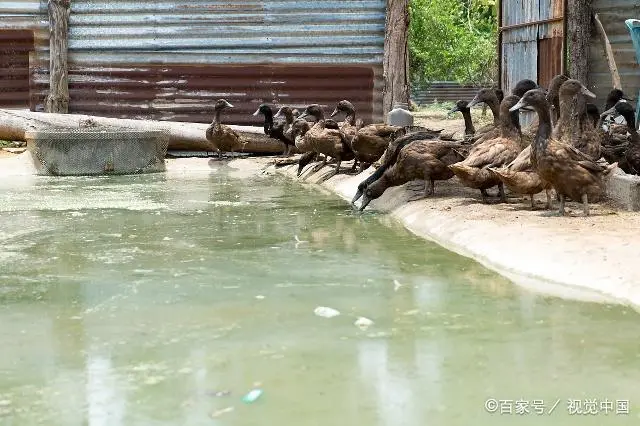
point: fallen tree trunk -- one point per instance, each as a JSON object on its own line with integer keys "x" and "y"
{"x": 182, "y": 136}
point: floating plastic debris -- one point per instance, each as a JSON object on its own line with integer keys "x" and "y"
{"x": 396, "y": 285}
{"x": 325, "y": 312}
{"x": 218, "y": 413}
{"x": 363, "y": 323}
{"x": 252, "y": 396}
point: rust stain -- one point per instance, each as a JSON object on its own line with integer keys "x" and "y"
{"x": 15, "y": 46}
{"x": 188, "y": 92}
{"x": 549, "y": 59}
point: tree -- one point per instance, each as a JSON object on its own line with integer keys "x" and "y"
{"x": 453, "y": 40}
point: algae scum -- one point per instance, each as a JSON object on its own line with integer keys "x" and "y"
{"x": 167, "y": 299}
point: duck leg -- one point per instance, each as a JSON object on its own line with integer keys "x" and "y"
{"x": 432, "y": 187}
{"x": 561, "y": 211}
{"x": 533, "y": 204}
{"x": 484, "y": 195}
{"x": 585, "y": 204}
{"x": 549, "y": 201}
{"x": 355, "y": 164}
{"x": 503, "y": 197}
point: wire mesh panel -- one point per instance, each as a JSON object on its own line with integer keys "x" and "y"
{"x": 97, "y": 151}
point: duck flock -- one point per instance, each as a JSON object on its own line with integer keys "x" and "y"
{"x": 571, "y": 147}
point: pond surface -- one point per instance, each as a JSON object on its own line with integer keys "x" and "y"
{"x": 164, "y": 299}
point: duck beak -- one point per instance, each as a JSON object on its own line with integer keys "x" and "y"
{"x": 365, "y": 202}
{"x": 257, "y": 112}
{"x": 303, "y": 115}
{"x": 228, "y": 105}
{"x": 334, "y": 113}
{"x": 527, "y": 108}
{"x": 278, "y": 113}
{"x": 587, "y": 92}
{"x": 357, "y": 196}
{"x": 521, "y": 103}
{"x": 473, "y": 102}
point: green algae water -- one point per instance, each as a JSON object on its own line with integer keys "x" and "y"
{"x": 166, "y": 299}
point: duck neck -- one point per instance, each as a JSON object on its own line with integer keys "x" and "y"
{"x": 319, "y": 115}
{"x": 468, "y": 123}
{"x": 350, "y": 119}
{"x": 268, "y": 121}
{"x": 216, "y": 117}
{"x": 288, "y": 118}
{"x": 544, "y": 128}
{"x": 495, "y": 110}
{"x": 510, "y": 124}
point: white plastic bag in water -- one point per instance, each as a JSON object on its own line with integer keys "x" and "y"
{"x": 323, "y": 311}
{"x": 363, "y": 323}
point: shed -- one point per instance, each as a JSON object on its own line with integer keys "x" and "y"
{"x": 532, "y": 44}
{"x": 171, "y": 59}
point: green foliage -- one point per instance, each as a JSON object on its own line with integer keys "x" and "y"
{"x": 453, "y": 40}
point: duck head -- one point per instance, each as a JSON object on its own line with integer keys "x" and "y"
{"x": 460, "y": 106}
{"x": 484, "y": 95}
{"x": 222, "y": 104}
{"x": 313, "y": 110}
{"x": 614, "y": 97}
{"x": 343, "y": 106}
{"x": 523, "y": 86}
{"x": 572, "y": 87}
{"x": 554, "y": 86}
{"x": 284, "y": 111}
{"x": 373, "y": 191}
{"x": 264, "y": 109}
{"x": 536, "y": 98}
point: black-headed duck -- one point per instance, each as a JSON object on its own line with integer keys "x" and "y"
{"x": 275, "y": 130}
{"x": 632, "y": 153}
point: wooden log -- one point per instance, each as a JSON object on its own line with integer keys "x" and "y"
{"x": 58, "y": 97}
{"x": 396, "y": 55}
{"x": 182, "y": 136}
{"x": 578, "y": 35}
{"x": 608, "y": 51}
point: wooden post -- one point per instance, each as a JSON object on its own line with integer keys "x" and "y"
{"x": 396, "y": 55}
{"x": 578, "y": 35}
{"x": 58, "y": 98}
{"x": 608, "y": 51}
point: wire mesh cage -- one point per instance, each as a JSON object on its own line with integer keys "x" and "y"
{"x": 97, "y": 151}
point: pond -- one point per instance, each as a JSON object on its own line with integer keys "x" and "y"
{"x": 164, "y": 299}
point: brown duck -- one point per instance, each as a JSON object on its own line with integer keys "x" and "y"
{"x": 568, "y": 170}
{"x": 474, "y": 171}
{"x": 222, "y": 137}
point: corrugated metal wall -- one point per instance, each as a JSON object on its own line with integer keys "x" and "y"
{"x": 612, "y": 14}
{"x": 531, "y": 51}
{"x": 170, "y": 60}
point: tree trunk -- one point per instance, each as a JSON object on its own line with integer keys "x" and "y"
{"x": 58, "y": 98}
{"x": 578, "y": 35}
{"x": 396, "y": 55}
{"x": 182, "y": 136}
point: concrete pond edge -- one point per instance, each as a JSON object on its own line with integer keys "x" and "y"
{"x": 481, "y": 242}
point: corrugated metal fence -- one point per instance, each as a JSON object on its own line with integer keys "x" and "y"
{"x": 443, "y": 91}
{"x": 170, "y": 60}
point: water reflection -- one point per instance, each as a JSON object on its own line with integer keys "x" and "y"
{"x": 142, "y": 315}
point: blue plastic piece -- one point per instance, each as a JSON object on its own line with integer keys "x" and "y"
{"x": 634, "y": 29}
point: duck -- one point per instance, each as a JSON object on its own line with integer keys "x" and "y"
{"x": 473, "y": 171}
{"x": 299, "y": 129}
{"x": 330, "y": 142}
{"x": 390, "y": 156}
{"x": 571, "y": 172}
{"x": 422, "y": 160}
{"x": 222, "y": 137}
{"x": 553, "y": 96}
{"x": 573, "y": 126}
{"x": 368, "y": 143}
{"x": 277, "y": 130}
{"x": 632, "y": 152}
{"x": 520, "y": 177}
{"x": 290, "y": 115}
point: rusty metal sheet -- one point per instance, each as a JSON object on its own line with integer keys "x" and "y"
{"x": 187, "y": 92}
{"x": 549, "y": 59}
{"x": 15, "y": 46}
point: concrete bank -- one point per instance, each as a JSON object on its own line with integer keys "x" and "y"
{"x": 585, "y": 258}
